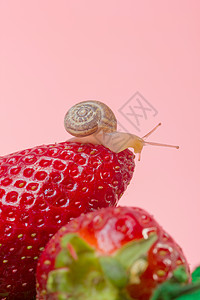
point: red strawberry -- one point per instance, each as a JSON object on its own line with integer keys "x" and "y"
{"x": 43, "y": 188}
{"x": 113, "y": 253}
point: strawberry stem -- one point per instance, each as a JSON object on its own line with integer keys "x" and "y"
{"x": 82, "y": 273}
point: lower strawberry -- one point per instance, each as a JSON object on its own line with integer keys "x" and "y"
{"x": 114, "y": 253}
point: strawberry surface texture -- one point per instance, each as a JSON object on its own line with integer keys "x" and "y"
{"x": 42, "y": 189}
{"x": 114, "y": 253}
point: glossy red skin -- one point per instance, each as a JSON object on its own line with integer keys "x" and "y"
{"x": 107, "y": 230}
{"x": 43, "y": 188}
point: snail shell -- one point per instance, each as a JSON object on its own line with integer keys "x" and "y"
{"x": 88, "y": 117}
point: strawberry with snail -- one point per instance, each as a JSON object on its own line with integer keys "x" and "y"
{"x": 43, "y": 188}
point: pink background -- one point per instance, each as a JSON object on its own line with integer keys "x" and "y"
{"x": 55, "y": 53}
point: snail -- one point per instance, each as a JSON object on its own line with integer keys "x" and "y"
{"x": 94, "y": 122}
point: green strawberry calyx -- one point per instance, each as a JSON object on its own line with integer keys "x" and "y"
{"x": 178, "y": 288}
{"x": 82, "y": 273}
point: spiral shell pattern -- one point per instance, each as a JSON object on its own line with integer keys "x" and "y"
{"x": 88, "y": 117}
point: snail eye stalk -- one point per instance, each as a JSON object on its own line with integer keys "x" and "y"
{"x": 156, "y": 144}
{"x": 150, "y": 132}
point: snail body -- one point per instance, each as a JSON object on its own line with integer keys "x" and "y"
{"x": 94, "y": 122}
{"x": 115, "y": 141}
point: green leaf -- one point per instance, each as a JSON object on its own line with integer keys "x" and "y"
{"x": 80, "y": 277}
{"x": 176, "y": 288}
{"x": 78, "y": 243}
{"x": 169, "y": 291}
{"x": 194, "y": 294}
{"x": 114, "y": 271}
{"x": 134, "y": 250}
{"x": 79, "y": 246}
{"x": 63, "y": 259}
{"x": 196, "y": 274}
{"x": 58, "y": 280}
{"x": 180, "y": 275}
{"x": 81, "y": 274}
